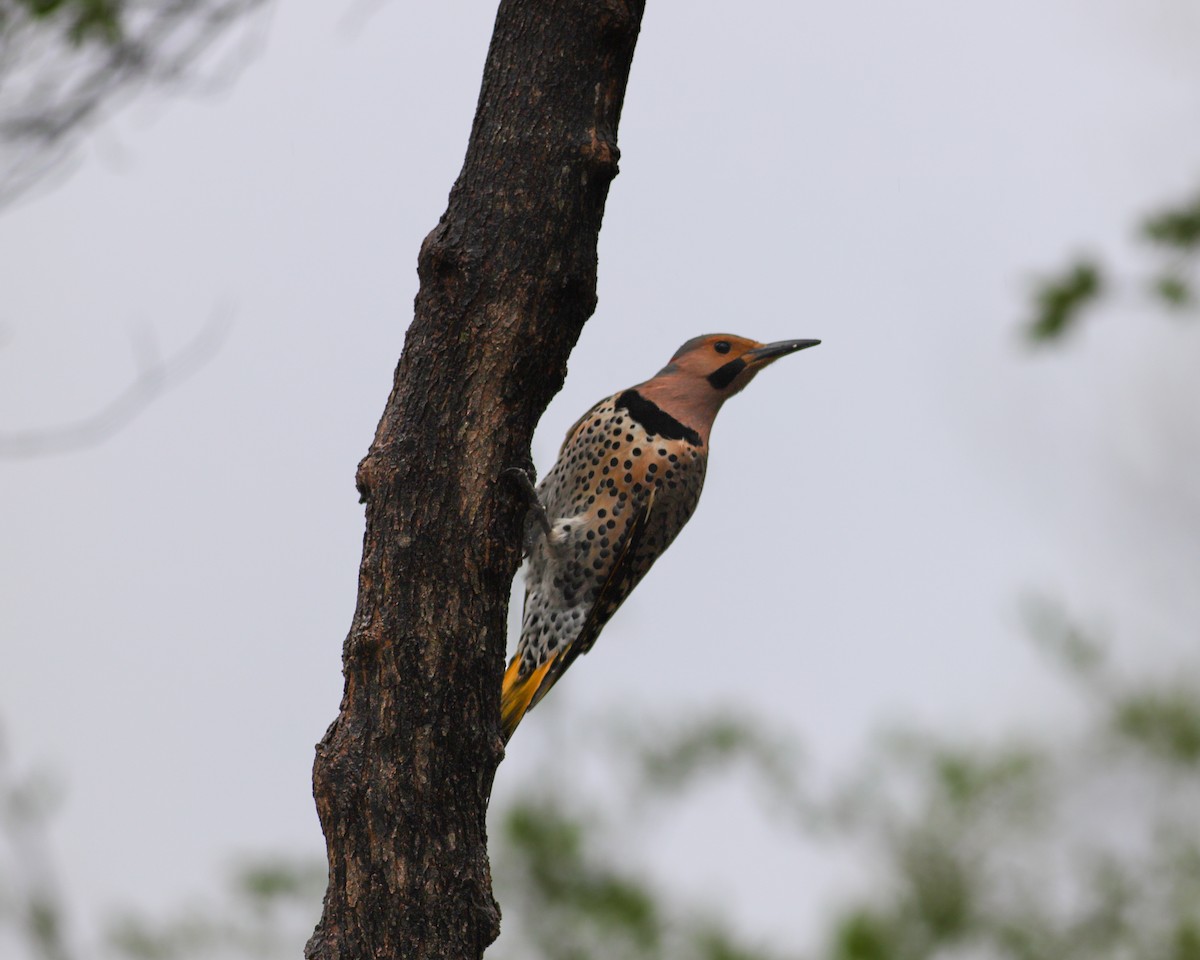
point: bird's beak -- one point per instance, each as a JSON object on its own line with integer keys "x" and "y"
{"x": 768, "y": 352}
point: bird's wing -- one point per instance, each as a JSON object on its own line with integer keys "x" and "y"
{"x": 628, "y": 568}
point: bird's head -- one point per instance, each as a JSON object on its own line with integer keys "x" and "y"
{"x": 706, "y": 371}
{"x": 724, "y": 363}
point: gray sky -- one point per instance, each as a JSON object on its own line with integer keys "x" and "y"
{"x": 886, "y": 177}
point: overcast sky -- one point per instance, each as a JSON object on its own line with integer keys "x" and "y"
{"x": 885, "y": 177}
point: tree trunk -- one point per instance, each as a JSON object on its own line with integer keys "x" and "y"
{"x": 508, "y": 278}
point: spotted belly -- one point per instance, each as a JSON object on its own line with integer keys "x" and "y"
{"x": 612, "y": 473}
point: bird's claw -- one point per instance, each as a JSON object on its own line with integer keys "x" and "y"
{"x": 537, "y": 512}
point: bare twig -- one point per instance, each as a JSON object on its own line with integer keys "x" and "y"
{"x": 155, "y": 377}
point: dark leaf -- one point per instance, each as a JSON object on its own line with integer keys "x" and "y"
{"x": 1060, "y": 301}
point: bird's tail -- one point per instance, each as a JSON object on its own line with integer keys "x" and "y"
{"x": 520, "y": 692}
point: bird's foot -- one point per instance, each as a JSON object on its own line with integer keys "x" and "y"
{"x": 536, "y": 512}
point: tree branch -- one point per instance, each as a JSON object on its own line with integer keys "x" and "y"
{"x": 154, "y": 378}
{"x": 508, "y": 278}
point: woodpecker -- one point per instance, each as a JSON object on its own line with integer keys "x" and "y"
{"x": 628, "y": 478}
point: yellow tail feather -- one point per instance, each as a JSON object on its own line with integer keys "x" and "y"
{"x": 518, "y": 692}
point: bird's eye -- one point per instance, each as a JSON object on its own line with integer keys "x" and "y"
{"x": 721, "y": 346}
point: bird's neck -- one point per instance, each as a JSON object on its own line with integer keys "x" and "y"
{"x": 693, "y": 404}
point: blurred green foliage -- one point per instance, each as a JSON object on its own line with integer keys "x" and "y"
{"x": 268, "y": 909}
{"x": 1062, "y": 845}
{"x": 1176, "y": 227}
{"x": 31, "y": 910}
{"x": 81, "y": 20}
{"x": 1064, "y": 842}
{"x": 64, "y": 62}
{"x": 1166, "y": 721}
{"x": 1062, "y": 300}
{"x": 575, "y": 903}
{"x": 561, "y": 859}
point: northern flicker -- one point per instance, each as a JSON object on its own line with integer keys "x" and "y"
{"x": 627, "y": 479}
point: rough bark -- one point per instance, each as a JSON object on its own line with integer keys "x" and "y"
{"x": 508, "y": 278}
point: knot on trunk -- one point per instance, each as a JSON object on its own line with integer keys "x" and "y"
{"x": 601, "y": 155}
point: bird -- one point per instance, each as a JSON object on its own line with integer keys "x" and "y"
{"x": 627, "y": 479}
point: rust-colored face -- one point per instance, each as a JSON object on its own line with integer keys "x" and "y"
{"x": 706, "y": 371}
{"x": 728, "y": 362}
{"x": 703, "y": 355}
